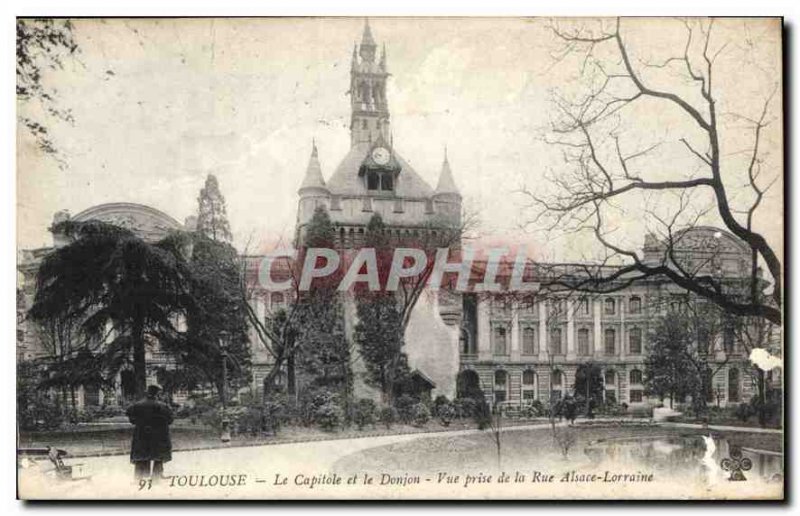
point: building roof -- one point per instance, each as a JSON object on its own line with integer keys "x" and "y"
{"x": 313, "y": 178}
{"x": 345, "y": 180}
{"x": 447, "y": 184}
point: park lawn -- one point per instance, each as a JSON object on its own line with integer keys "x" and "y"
{"x": 478, "y": 452}
{"x": 116, "y": 439}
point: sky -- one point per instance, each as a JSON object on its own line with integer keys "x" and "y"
{"x": 160, "y": 104}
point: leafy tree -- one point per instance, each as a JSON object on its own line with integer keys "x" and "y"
{"x": 216, "y": 317}
{"x": 679, "y": 353}
{"x": 589, "y": 382}
{"x": 116, "y": 285}
{"x": 42, "y": 45}
{"x": 212, "y": 217}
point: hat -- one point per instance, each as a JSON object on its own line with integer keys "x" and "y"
{"x": 152, "y": 390}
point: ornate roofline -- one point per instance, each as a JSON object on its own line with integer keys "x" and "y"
{"x": 103, "y": 209}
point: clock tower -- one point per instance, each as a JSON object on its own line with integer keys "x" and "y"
{"x": 369, "y": 109}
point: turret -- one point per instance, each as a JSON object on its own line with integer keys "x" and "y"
{"x": 313, "y": 192}
{"x": 446, "y": 197}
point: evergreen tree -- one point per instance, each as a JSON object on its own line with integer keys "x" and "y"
{"x": 323, "y": 351}
{"x": 589, "y": 382}
{"x": 212, "y": 217}
{"x": 671, "y": 367}
{"x": 379, "y": 331}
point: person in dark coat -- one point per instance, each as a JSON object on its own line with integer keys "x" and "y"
{"x": 570, "y": 409}
{"x": 151, "y": 442}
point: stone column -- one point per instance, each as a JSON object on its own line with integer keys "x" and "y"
{"x": 515, "y": 348}
{"x": 570, "y": 330}
{"x": 542, "y": 332}
{"x": 598, "y": 328}
{"x": 484, "y": 331}
{"x": 622, "y": 334}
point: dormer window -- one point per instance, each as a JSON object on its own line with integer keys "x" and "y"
{"x": 373, "y": 181}
{"x": 380, "y": 181}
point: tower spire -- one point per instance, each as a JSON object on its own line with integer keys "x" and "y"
{"x": 313, "y": 178}
{"x": 368, "y": 46}
{"x": 446, "y": 184}
{"x": 369, "y": 108}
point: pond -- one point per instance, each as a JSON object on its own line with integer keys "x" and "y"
{"x": 692, "y": 458}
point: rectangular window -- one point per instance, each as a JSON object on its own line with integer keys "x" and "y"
{"x": 528, "y": 395}
{"x": 372, "y": 181}
{"x": 387, "y": 182}
{"x": 610, "y": 344}
{"x": 500, "y": 341}
{"x": 336, "y": 203}
{"x": 366, "y": 204}
{"x": 555, "y": 341}
{"x": 528, "y": 341}
{"x": 636, "y": 396}
{"x": 583, "y": 342}
{"x": 636, "y": 341}
{"x": 611, "y": 396}
{"x": 398, "y": 205}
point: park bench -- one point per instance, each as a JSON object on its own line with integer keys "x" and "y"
{"x": 55, "y": 456}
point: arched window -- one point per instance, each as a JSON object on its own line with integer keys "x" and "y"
{"x": 500, "y": 340}
{"x": 528, "y": 377}
{"x": 610, "y": 378}
{"x": 529, "y": 341}
{"x": 528, "y": 385}
{"x": 500, "y": 386}
{"x": 610, "y": 306}
{"x": 557, "y": 378}
{"x": 610, "y": 341}
{"x": 557, "y": 381}
{"x": 583, "y": 342}
{"x": 635, "y": 304}
{"x": 636, "y": 377}
{"x": 635, "y": 341}
{"x": 555, "y": 341}
{"x": 733, "y": 385}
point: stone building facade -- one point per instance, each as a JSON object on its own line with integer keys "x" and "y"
{"x": 513, "y": 350}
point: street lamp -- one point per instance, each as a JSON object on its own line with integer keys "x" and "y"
{"x": 223, "y": 346}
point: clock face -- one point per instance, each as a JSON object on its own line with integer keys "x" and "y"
{"x": 380, "y": 155}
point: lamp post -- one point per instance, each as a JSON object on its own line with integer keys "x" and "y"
{"x": 223, "y": 346}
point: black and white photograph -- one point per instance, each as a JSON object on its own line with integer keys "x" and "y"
{"x": 400, "y": 258}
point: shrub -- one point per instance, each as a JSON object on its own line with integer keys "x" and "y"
{"x": 534, "y": 408}
{"x": 482, "y": 415}
{"x": 445, "y": 413}
{"x": 310, "y": 402}
{"x": 405, "y": 406}
{"x": 41, "y": 414}
{"x": 364, "y": 413}
{"x": 743, "y": 411}
{"x": 465, "y": 407}
{"x": 440, "y": 401}
{"x": 420, "y": 414}
{"x": 329, "y": 415}
{"x": 388, "y": 416}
